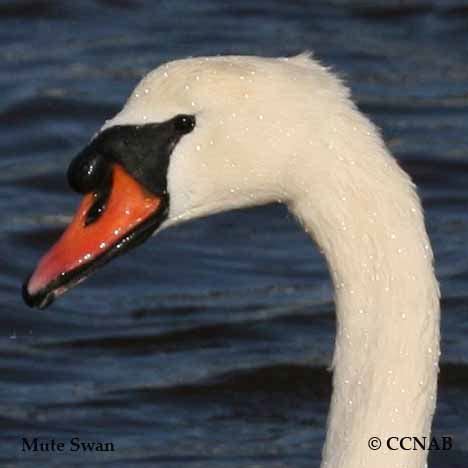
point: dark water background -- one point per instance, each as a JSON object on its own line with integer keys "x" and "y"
{"x": 208, "y": 346}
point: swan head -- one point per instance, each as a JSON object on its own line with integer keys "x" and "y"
{"x": 196, "y": 137}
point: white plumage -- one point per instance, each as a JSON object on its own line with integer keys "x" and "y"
{"x": 286, "y": 129}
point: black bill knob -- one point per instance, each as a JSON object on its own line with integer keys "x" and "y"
{"x": 88, "y": 172}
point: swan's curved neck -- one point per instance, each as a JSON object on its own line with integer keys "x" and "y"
{"x": 370, "y": 227}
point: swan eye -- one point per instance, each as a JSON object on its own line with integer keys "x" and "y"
{"x": 184, "y": 123}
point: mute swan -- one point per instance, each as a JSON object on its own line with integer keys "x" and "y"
{"x": 204, "y": 135}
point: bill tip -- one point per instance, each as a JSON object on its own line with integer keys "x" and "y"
{"x": 38, "y": 300}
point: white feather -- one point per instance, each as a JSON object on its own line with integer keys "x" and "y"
{"x": 285, "y": 129}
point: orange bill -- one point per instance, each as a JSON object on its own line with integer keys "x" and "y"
{"x": 102, "y": 228}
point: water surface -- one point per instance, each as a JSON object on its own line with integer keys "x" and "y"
{"x": 208, "y": 346}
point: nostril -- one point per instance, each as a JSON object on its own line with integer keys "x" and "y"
{"x": 98, "y": 207}
{"x": 88, "y": 172}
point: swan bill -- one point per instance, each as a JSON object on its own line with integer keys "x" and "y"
{"x": 106, "y": 224}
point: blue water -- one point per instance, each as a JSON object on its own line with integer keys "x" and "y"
{"x": 208, "y": 346}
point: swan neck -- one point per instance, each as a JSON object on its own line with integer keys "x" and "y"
{"x": 387, "y": 307}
